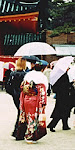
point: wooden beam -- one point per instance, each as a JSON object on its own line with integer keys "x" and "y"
{"x": 19, "y": 17}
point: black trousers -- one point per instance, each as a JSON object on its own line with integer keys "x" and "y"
{"x": 16, "y": 124}
{"x": 54, "y": 122}
{"x": 16, "y": 102}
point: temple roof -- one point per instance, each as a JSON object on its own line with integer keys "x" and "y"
{"x": 20, "y": 22}
{"x": 8, "y": 7}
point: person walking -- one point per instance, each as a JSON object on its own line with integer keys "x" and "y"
{"x": 33, "y": 99}
{"x": 63, "y": 103}
{"x": 13, "y": 86}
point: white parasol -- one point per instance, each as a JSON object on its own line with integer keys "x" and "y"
{"x": 35, "y": 48}
{"x": 60, "y": 68}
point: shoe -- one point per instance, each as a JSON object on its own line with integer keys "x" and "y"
{"x": 34, "y": 142}
{"x": 66, "y": 128}
{"x": 30, "y": 141}
{"x": 19, "y": 139}
{"x": 14, "y": 134}
{"x": 52, "y": 130}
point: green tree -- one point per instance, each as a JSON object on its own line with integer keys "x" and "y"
{"x": 61, "y": 16}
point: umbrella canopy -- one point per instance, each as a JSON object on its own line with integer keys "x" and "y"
{"x": 71, "y": 73}
{"x": 37, "y": 77}
{"x": 9, "y": 65}
{"x": 35, "y": 48}
{"x": 31, "y": 58}
{"x": 60, "y": 68}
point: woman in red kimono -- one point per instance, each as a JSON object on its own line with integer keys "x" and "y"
{"x": 32, "y": 121}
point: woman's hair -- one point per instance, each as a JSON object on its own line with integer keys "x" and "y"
{"x": 21, "y": 64}
{"x": 38, "y": 67}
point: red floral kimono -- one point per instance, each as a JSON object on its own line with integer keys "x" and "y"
{"x": 31, "y": 108}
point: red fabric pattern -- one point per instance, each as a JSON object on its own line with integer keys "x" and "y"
{"x": 33, "y": 106}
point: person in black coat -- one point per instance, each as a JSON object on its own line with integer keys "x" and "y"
{"x": 6, "y": 76}
{"x": 63, "y": 103}
{"x": 13, "y": 86}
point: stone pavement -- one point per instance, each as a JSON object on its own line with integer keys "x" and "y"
{"x": 59, "y": 140}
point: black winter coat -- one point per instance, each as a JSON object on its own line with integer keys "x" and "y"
{"x": 63, "y": 102}
{"x": 13, "y": 85}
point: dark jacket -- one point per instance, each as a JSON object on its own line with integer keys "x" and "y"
{"x": 13, "y": 85}
{"x": 6, "y": 76}
{"x": 63, "y": 102}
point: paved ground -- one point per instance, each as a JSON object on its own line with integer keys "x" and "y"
{"x": 60, "y": 140}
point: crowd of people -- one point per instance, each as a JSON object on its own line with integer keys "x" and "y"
{"x": 29, "y": 89}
